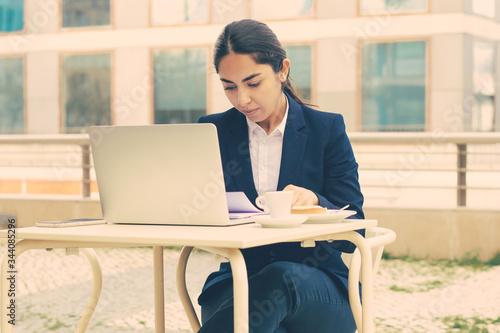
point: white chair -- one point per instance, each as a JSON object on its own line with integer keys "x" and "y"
{"x": 377, "y": 239}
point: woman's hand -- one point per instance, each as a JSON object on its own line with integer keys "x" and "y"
{"x": 302, "y": 196}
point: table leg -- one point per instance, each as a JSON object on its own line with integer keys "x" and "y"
{"x": 366, "y": 278}
{"x": 25, "y": 245}
{"x": 96, "y": 290}
{"x": 240, "y": 290}
{"x": 182, "y": 289}
{"x": 353, "y": 289}
{"x": 159, "y": 291}
{"x": 240, "y": 285}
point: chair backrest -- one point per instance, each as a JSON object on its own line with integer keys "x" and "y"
{"x": 377, "y": 239}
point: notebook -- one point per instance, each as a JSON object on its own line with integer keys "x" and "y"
{"x": 161, "y": 174}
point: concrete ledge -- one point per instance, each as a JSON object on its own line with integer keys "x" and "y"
{"x": 440, "y": 233}
{"x": 31, "y": 209}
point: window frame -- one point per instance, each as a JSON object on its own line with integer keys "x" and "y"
{"x": 24, "y": 111}
{"x": 110, "y": 26}
{"x": 21, "y": 31}
{"x": 426, "y": 11}
{"x": 251, "y": 15}
{"x": 62, "y": 115}
{"x": 496, "y": 50}
{"x": 479, "y": 14}
{"x": 207, "y": 22}
{"x": 359, "y": 76}
{"x": 313, "y": 46}
{"x": 208, "y": 57}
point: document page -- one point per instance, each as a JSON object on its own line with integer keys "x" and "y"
{"x": 239, "y": 206}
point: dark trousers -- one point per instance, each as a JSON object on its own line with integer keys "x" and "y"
{"x": 284, "y": 297}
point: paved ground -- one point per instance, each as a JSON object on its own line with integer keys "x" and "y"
{"x": 416, "y": 296}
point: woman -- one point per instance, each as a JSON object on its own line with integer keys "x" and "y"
{"x": 271, "y": 141}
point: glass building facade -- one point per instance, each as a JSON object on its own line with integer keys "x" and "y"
{"x": 393, "y": 86}
{"x": 149, "y": 62}
{"x": 11, "y": 15}
{"x": 12, "y": 95}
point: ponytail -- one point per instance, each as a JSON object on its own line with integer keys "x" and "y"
{"x": 290, "y": 88}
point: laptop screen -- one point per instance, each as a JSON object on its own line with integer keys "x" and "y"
{"x": 160, "y": 174}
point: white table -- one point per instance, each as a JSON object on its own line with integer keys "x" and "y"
{"x": 225, "y": 241}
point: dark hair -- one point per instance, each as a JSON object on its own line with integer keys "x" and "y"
{"x": 257, "y": 40}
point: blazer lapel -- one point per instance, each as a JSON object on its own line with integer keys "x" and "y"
{"x": 294, "y": 146}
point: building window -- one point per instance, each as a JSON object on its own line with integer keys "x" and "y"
{"x": 86, "y": 91}
{"x": 484, "y": 8}
{"x": 167, "y": 12}
{"x": 11, "y": 15}
{"x": 85, "y": 13}
{"x": 376, "y": 7}
{"x": 393, "y": 95}
{"x": 282, "y": 9}
{"x": 301, "y": 68}
{"x": 483, "y": 112}
{"x": 180, "y": 91}
{"x": 12, "y": 95}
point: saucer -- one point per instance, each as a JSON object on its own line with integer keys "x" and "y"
{"x": 283, "y": 222}
{"x": 331, "y": 216}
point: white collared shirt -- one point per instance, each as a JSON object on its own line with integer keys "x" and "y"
{"x": 265, "y": 154}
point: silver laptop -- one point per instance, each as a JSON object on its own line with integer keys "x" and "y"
{"x": 160, "y": 174}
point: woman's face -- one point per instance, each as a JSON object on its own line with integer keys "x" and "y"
{"x": 254, "y": 89}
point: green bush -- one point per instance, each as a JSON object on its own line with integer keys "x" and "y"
{"x": 470, "y": 259}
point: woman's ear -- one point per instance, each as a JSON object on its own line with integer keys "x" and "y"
{"x": 284, "y": 70}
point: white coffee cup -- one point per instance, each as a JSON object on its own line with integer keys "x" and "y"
{"x": 278, "y": 203}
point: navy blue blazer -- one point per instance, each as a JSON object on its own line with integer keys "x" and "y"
{"x": 316, "y": 155}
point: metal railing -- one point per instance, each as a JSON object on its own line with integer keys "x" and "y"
{"x": 76, "y": 140}
{"x": 393, "y": 157}
{"x": 418, "y": 156}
